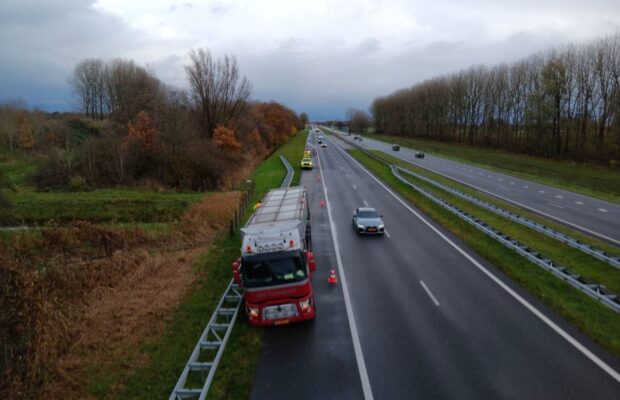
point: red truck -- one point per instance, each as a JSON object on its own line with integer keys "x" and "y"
{"x": 276, "y": 263}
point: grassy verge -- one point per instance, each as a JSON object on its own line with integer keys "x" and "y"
{"x": 609, "y": 248}
{"x": 591, "y": 180}
{"x": 594, "y": 319}
{"x": 168, "y": 353}
{"x": 99, "y": 206}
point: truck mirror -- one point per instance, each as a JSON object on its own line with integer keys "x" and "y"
{"x": 235, "y": 266}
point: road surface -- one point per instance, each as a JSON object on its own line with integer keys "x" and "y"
{"x": 432, "y": 319}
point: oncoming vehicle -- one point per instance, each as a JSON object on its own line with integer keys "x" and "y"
{"x": 323, "y": 144}
{"x": 366, "y": 220}
{"x": 395, "y": 147}
{"x": 419, "y": 154}
{"x": 306, "y": 163}
{"x": 276, "y": 263}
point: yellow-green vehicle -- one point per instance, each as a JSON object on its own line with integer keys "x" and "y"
{"x": 306, "y": 162}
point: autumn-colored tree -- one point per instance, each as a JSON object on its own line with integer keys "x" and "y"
{"x": 143, "y": 130}
{"x": 225, "y": 139}
{"x": 278, "y": 119}
{"x": 256, "y": 141}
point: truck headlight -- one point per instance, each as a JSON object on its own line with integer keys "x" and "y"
{"x": 305, "y": 305}
{"x": 253, "y": 312}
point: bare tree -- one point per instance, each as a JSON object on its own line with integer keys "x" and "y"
{"x": 559, "y": 103}
{"x": 219, "y": 93}
{"x": 87, "y": 82}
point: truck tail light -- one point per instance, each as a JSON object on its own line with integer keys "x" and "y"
{"x": 291, "y": 243}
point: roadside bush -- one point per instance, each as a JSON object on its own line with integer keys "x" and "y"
{"x": 78, "y": 184}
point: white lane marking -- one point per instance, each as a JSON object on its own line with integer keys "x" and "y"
{"x": 602, "y": 210}
{"x": 501, "y": 180}
{"x": 555, "y": 205}
{"x": 365, "y": 203}
{"x": 557, "y": 329}
{"x": 354, "y": 187}
{"x": 357, "y": 347}
{"x": 526, "y": 187}
{"x": 579, "y": 203}
{"x": 512, "y": 183}
{"x": 346, "y": 175}
{"x": 503, "y": 188}
{"x": 559, "y": 196}
{"x": 489, "y": 176}
{"x": 429, "y": 293}
{"x": 542, "y": 191}
{"x": 387, "y": 233}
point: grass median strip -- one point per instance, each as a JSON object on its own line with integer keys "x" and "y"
{"x": 167, "y": 354}
{"x": 609, "y": 248}
{"x": 596, "y": 320}
{"x": 593, "y": 180}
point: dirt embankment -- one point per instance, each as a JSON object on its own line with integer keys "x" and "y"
{"x": 85, "y": 297}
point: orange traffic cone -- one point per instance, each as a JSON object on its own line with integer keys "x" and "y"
{"x": 332, "y": 280}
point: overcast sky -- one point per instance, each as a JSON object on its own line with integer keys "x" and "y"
{"x": 317, "y": 56}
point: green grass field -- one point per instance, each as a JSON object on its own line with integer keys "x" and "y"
{"x": 98, "y": 206}
{"x": 599, "y": 322}
{"x": 168, "y": 353}
{"x": 588, "y": 179}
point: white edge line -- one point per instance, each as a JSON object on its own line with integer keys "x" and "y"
{"x": 357, "y": 347}
{"x": 386, "y": 233}
{"x": 574, "y": 342}
{"x": 430, "y": 294}
{"x": 366, "y": 203}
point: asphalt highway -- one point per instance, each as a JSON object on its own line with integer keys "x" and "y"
{"x": 593, "y": 216}
{"x": 432, "y": 319}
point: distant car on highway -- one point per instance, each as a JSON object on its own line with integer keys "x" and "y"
{"x": 323, "y": 144}
{"x": 395, "y": 147}
{"x": 366, "y": 220}
{"x": 419, "y": 154}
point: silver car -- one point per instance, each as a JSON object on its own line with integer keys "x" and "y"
{"x": 367, "y": 220}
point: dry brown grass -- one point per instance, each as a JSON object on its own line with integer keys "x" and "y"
{"x": 82, "y": 295}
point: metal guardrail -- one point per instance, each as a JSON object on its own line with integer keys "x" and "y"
{"x": 209, "y": 350}
{"x": 289, "y": 173}
{"x": 594, "y": 290}
{"x": 575, "y": 243}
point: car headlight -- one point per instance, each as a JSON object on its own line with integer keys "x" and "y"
{"x": 360, "y": 226}
{"x": 253, "y": 312}
{"x": 381, "y": 226}
{"x": 305, "y": 305}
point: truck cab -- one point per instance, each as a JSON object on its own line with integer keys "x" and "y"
{"x": 276, "y": 264}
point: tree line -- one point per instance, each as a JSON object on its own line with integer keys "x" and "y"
{"x": 561, "y": 103}
{"x": 133, "y": 128}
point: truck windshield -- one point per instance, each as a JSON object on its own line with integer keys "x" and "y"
{"x": 270, "y": 270}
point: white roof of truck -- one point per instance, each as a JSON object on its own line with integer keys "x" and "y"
{"x": 281, "y": 209}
